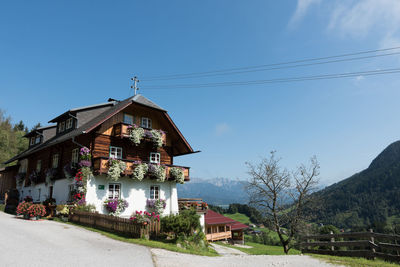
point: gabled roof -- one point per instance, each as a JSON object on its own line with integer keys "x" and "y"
{"x": 40, "y": 129}
{"x": 90, "y": 125}
{"x": 74, "y": 110}
{"x": 212, "y": 218}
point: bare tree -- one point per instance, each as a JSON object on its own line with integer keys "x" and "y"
{"x": 281, "y": 195}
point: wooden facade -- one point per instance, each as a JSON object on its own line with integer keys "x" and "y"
{"x": 7, "y": 179}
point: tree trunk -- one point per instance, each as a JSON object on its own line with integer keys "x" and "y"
{"x": 286, "y": 249}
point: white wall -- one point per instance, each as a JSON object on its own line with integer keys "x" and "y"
{"x": 133, "y": 191}
{"x": 60, "y": 191}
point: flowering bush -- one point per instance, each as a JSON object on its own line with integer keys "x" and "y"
{"x": 80, "y": 186}
{"x": 36, "y": 210}
{"x": 157, "y": 137}
{"x": 140, "y": 171}
{"x": 144, "y": 217}
{"x": 23, "y": 207}
{"x": 177, "y": 173}
{"x": 158, "y": 171}
{"x": 136, "y": 134}
{"x": 83, "y": 174}
{"x": 20, "y": 177}
{"x": 158, "y": 205}
{"x": 34, "y": 177}
{"x": 115, "y": 206}
{"x": 116, "y": 167}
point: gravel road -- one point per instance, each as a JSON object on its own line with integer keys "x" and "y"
{"x": 47, "y": 243}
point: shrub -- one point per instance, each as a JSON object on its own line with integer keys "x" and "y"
{"x": 62, "y": 210}
{"x": 28, "y": 199}
{"x": 85, "y": 207}
{"x": 36, "y": 210}
{"x": 184, "y": 224}
{"x": 144, "y": 217}
{"x": 23, "y": 207}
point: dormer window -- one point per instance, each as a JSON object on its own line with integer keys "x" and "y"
{"x": 62, "y": 126}
{"x": 145, "y": 123}
{"x": 69, "y": 123}
{"x": 37, "y": 139}
{"x": 128, "y": 119}
{"x": 32, "y": 140}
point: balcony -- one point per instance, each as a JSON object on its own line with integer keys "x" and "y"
{"x": 197, "y": 203}
{"x": 219, "y": 236}
{"x": 100, "y": 166}
{"x": 122, "y": 130}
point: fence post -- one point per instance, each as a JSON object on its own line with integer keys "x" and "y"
{"x": 373, "y": 242}
{"x": 332, "y": 240}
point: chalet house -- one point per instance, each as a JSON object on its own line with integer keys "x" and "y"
{"x": 105, "y": 130}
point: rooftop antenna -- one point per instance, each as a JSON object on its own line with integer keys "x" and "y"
{"x": 134, "y": 86}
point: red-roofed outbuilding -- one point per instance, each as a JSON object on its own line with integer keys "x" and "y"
{"x": 219, "y": 227}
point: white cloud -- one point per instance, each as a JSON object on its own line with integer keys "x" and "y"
{"x": 222, "y": 128}
{"x": 359, "y": 19}
{"x": 301, "y": 11}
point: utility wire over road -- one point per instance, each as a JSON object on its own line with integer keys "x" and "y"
{"x": 282, "y": 65}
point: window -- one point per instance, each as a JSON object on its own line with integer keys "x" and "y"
{"x": 115, "y": 152}
{"x": 75, "y": 156}
{"x": 208, "y": 230}
{"x": 114, "y": 191}
{"x": 146, "y": 123}
{"x": 55, "y": 161}
{"x": 39, "y": 165}
{"x": 69, "y": 123}
{"x": 128, "y": 119}
{"x": 32, "y": 140}
{"x": 37, "y": 139}
{"x": 154, "y": 192}
{"x": 155, "y": 157}
{"x": 221, "y": 229}
{"x": 61, "y": 127}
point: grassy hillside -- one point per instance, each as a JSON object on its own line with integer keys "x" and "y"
{"x": 366, "y": 199}
{"x": 238, "y": 217}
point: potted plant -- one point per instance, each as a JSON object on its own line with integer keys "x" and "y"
{"x": 36, "y": 211}
{"x": 177, "y": 174}
{"x": 63, "y": 212}
{"x": 50, "y": 206}
{"x": 136, "y": 134}
{"x": 140, "y": 170}
{"x": 22, "y": 209}
{"x": 115, "y": 206}
{"x": 116, "y": 167}
{"x": 158, "y": 171}
{"x": 156, "y": 205}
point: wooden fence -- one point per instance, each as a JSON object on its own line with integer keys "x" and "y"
{"x": 366, "y": 245}
{"x": 116, "y": 224}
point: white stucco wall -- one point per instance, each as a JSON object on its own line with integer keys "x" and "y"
{"x": 133, "y": 191}
{"x": 60, "y": 191}
{"x": 202, "y": 222}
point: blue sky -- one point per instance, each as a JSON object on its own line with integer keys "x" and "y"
{"x": 64, "y": 54}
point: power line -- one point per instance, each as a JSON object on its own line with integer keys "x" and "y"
{"x": 274, "y": 65}
{"x": 283, "y": 80}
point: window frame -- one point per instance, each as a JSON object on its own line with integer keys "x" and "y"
{"x": 111, "y": 155}
{"x": 155, "y": 192}
{"x": 157, "y": 157}
{"x": 131, "y": 117}
{"x": 32, "y": 141}
{"x": 69, "y": 123}
{"x": 114, "y": 190}
{"x": 55, "y": 161}
{"x": 62, "y": 127}
{"x": 146, "y": 122}
{"x": 38, "y": 139}
{"x": 74, "y": 156}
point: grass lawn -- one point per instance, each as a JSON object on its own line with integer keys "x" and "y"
{"x": 260, "y": 249}
{"x": 148, "y": 243}
{"x": 238, "y": 217}
{"x": 354, "y": 262}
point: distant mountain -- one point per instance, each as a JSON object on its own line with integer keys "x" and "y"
{"x": 367, "y": 198}
{"x": 217, "y": 191}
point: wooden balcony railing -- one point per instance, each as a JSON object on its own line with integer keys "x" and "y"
{"x": 100, "y": 166}
{"x": 121, "y": 130}
{"x": 197, "y": 203}
{"x": 219, "y": 236}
